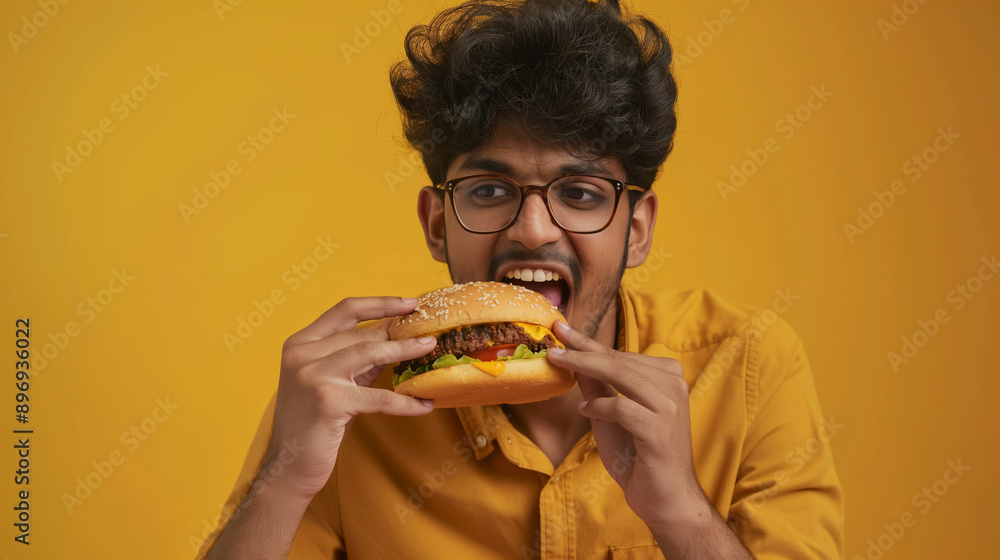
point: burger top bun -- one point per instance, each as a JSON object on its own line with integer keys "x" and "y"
{"x": 474, "y": 303}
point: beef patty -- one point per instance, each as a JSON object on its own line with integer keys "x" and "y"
{"x": 467, "y": 340}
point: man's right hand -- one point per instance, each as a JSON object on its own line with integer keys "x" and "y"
{"x": 327, "y": 370}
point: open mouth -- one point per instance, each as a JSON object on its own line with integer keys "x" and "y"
{"x": 546, "y": 282}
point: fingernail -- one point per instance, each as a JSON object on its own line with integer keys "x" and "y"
{"x": 566, "y": 325}
{"x": 426, "y": 402}
{"x": 583, "y": 405}
{"x": 557, "y": 350}
{"x": 426, "y": 339}
{"x": 408, "y": 300}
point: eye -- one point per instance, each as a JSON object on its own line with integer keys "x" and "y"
{"x": 577, "y": 193}
{"x": 492, "y": 190}
{"x": 582, "y": 194}
{"x": 487, "y": 192}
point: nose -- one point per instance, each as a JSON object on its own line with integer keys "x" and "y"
{"x": 534, "y": 226}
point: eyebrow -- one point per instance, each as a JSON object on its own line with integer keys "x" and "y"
{"x": 492, "y": 165}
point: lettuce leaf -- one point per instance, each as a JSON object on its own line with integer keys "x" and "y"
{"x": 522, "y": 353}
{"x": 448, "y": 360}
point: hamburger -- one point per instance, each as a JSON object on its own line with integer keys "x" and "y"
{"x": 492, "y": 339}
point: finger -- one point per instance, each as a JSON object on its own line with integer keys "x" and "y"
{"x": 633, "y": 378}
{"x": 296, "y": 356}
{"x": 363, "y": 356}
{"x": 576, "y": 340}
{"x": 661, "y": 363}
{"x": 351, "y": 311}
{"x": 366, "y": 400}
{"x": 635, "y": 418}
{"x": 594, "y": 389}
{"x": 369, "y": 377}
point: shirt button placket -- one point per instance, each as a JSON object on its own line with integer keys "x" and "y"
{"x": 556, "y": 527}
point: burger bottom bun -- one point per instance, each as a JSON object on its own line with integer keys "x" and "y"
{"x": 522, "y": 381}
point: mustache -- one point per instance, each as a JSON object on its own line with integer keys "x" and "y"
{"x": 544, "y": 254}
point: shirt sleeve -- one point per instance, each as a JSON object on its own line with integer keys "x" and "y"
{"x": 787, "y": 501}
{"x": 316, "y": 538}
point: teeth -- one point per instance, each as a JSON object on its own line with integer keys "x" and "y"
{"x": 536, "y": 275}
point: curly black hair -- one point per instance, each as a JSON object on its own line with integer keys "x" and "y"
{"x": 579, "y": 74}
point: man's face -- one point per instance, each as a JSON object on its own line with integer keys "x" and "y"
{"x": 590, "y": 265}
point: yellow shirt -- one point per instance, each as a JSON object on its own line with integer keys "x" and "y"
{"x": 463, "y": 483}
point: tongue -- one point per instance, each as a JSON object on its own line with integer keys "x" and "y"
{"x": 552, "y": 291}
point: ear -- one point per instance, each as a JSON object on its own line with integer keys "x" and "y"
{"x": 641, "y": 234}
{"x": 430, "y": 210}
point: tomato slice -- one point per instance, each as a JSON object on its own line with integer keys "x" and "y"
{"x": 494, "y": 352}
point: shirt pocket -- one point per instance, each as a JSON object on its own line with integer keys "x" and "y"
{"x": 644, "y": 552}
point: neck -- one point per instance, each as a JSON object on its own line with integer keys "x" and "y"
{"x": 556, "y": 425}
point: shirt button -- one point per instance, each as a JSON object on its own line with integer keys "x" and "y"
{"x": 556, "y": 479}
{"x": 481, "y": 441}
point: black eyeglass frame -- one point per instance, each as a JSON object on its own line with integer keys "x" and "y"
{"x": 620, "y": 187}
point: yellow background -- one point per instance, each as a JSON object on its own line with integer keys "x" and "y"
{"x": 324, "y": 175}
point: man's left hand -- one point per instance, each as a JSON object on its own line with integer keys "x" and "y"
{"x": 638, "y": 410}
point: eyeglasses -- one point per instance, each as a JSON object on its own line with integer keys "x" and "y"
{"x": 577, "y": 203}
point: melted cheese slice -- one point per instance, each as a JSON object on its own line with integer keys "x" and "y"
{"x": 492, "y": 368}
{"x": 536, "y": 332}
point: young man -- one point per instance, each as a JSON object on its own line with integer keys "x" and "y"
{"x": 680, "y": 438}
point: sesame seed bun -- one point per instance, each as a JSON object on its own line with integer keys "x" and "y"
{"x": 521, "y": 381}
{"x": 472, "y": 304}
